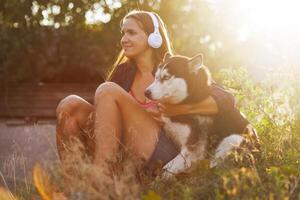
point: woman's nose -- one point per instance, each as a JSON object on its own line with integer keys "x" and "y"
{"x": 124, "y": 39}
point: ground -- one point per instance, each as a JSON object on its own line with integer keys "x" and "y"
{"x": 23, "y": 145}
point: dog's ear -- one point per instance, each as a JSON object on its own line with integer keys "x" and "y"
{"x": 195, "y": 63}
{"x": 167, "y": 56}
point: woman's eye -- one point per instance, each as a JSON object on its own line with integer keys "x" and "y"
{"x": 131, "y": 32}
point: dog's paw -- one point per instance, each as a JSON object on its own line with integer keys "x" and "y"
{"x": 213, "y": 163}
{"x": 167, "y": 175}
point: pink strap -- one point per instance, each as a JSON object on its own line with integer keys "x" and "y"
{"x": 143, "y": 104}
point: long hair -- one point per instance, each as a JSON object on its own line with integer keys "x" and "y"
{"x": 147, "y": 25}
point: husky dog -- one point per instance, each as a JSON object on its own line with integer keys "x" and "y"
{"x": 181, "y": 80}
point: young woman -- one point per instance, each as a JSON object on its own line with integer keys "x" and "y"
{"x": 122, "y": 117}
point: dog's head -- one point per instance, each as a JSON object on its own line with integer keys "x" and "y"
{"x": 180, "y": 80}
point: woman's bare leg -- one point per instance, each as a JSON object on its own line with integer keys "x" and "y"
{"x": 74, "y": 120}
{"x": 120, "y": 120}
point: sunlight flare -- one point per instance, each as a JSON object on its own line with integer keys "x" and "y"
{"x": 275, "y": 18}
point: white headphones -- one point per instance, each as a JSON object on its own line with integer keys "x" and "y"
{"x": 154, "y": 39}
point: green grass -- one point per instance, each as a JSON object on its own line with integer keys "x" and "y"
{"x": 273, "y": 107}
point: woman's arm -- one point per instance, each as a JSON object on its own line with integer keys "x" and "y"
{"x": 219, "y": 102}
{"x": 206, "y": 107}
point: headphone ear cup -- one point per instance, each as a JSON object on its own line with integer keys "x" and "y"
{"x": 155, "y": 40}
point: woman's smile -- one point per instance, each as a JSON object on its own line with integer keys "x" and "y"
{"x": 134, "y": 39}
{"x": 127, "y": 47}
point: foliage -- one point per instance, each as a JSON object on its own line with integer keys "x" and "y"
{"x": 49, "y": 40}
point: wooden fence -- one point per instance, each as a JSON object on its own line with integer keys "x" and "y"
{"x": 41, "y": 100}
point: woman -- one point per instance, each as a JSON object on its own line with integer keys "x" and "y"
{"x": 121, "y": 115}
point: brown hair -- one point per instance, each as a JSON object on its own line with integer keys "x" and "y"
{"x": 147, "y": 25}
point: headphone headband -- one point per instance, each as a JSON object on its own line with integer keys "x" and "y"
{"x": 154, "y": 20}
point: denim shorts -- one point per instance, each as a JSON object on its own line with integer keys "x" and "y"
{"x": 164, "y": 152}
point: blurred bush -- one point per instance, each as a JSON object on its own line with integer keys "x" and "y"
{"x": 50, "y": 41}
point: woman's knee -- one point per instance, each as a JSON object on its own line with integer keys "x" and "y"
{"x": 108, "y": 90}
{"x": 68, "y": 106}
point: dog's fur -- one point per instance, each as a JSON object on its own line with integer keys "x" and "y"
{"x": 180, "y": 80}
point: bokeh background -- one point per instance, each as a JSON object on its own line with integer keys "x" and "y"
{"x": 78, "y": 40}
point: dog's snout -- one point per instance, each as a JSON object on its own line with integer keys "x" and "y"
{"x": 148, "y": 93}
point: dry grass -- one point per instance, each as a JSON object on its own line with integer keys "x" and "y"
{"x": 77, "y": 178}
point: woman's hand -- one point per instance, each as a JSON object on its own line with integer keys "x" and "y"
{"x": 171, "y": 110}
{"x": 155, "y": 113}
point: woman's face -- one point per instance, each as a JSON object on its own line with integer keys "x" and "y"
{"x": 134, "y": 40}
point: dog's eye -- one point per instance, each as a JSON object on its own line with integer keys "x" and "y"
{"x": 164, "y": 78}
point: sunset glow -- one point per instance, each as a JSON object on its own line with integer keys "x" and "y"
{"x": 277, "y": 19}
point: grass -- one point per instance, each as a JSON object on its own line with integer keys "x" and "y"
{"x": 274, "y": 173}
